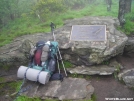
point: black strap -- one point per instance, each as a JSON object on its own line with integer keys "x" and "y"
{"x": 25, "y": 73}
{"x": 38, "y": 75}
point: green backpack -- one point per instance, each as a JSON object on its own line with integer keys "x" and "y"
{"x": 43, "y": 56}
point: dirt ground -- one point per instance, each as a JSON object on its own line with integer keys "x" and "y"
{"x": 105, "y": 86}
{"x": 109, "y": 87}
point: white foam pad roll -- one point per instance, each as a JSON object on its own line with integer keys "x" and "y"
{"x": 32, "y": 74}
{"x": 44, "y": 77}
{"x": 21, "y": 71}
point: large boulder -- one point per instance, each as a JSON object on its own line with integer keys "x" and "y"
{"x": 92, "y": 52}
{"x": 77, "y": 52}
{"x": 17, "y": 52}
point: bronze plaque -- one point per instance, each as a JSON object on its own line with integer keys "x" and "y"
{"x": 88, "y": 33}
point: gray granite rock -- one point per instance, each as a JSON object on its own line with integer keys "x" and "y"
{"x": 69, "y": 89}
{"x": 106, "y": 68}
{"x": 9, "y": 78}
{"x": 93, "y": 70}
{"x": 89, "y": 53}
{"x": 128, "y": 77}
{"x": 129, "y": 47}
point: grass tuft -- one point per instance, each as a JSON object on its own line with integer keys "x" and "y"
{"x": 25, "y": 98}
{"x": 67, "y": 64}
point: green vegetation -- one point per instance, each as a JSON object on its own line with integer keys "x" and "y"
{"x": 2, "y": 85}
{"x": 67, "y": 64}
{"x": 2, "y": 91}
{"x": 5, "y": 67}
{"x": 117, "y": 71}
{"x": 115, "y": 75}
{"x": 2, "y": 79}
{"x": 25, "y": 98}
{"x": 30, "y": 23}
{"x": 129, "y": 26}
{"x": 10, "y": 87}
{"x": 106, "y": 62}
{"x": 118, "y": 67}
{"x": 15, "y": 85}
{"x": 93, "y": 97}
{"x": 34, "y": 16}
{"x": 75, "y": 75}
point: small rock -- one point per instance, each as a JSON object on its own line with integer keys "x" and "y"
{"x": 7, "y": 96}
{"x": 129, "y": 47}
{"x": 128, "y": 77}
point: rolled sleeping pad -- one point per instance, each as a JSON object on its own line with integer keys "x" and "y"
{"x": 33, "y": 74}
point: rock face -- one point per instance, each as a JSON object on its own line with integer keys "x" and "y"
{"x": 129, "y": 47}
{"x": 128, "y": 77}
{"x": 17, "y": 52}
{"x": 113, "y": 66}
{"x": 10, "y": 78}
{"x": 93, "y": 70}
{"x": 87, "y": 52}
{"x": 77, "y": 52}
{"x": 69, "y": 89}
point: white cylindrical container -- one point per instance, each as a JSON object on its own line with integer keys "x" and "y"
{"x": 33, "y": 74}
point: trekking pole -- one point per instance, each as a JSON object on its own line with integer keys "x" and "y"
{"x": 52, "y": 25}
{"x": 52, "y": 30}
{"x": 58, "y": 64}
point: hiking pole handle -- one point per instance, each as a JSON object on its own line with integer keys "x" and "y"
{"x": 52, "y": 25}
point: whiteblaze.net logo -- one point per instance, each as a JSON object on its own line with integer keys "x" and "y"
{"x": 118, "y": 99}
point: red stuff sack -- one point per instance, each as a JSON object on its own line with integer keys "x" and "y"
{"x": 37, "y": 57}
